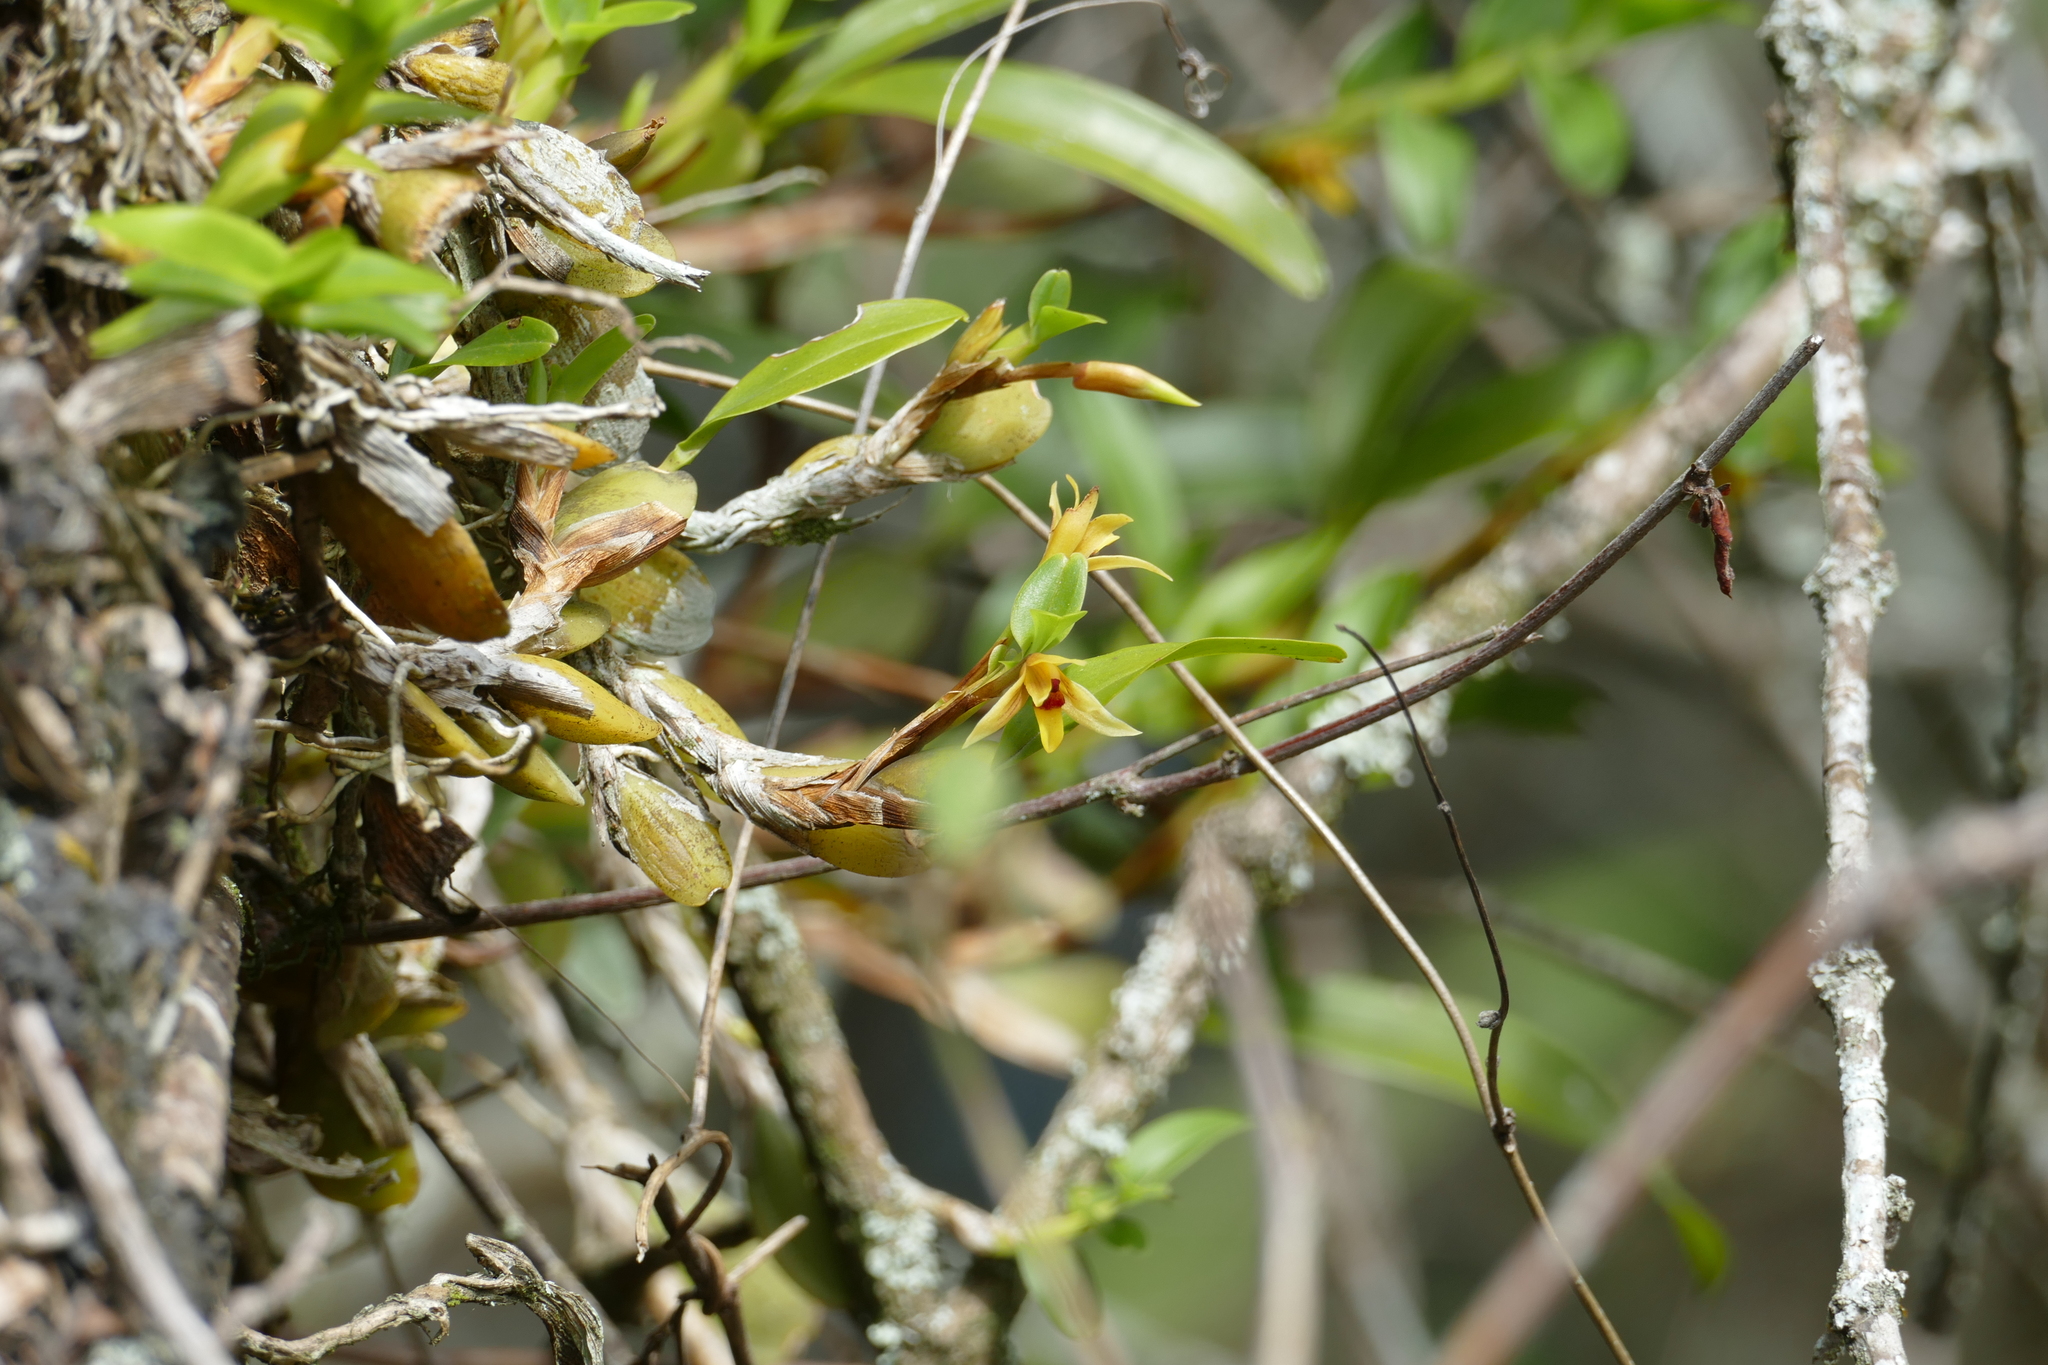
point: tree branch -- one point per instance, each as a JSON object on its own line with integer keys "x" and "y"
{"x": 1849, "y": 586}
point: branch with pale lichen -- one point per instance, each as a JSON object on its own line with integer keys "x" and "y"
{"x": 888, "y": 1222}
{"x": 1849, "y": 586}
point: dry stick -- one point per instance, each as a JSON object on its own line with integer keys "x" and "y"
{"x": 254, "y": 1304}
{"x": 1849, "y": 585}
{"x": 117, "y": 1211}
{"x": 1495, "y": 1022}
{"x": 1982, "y": 847}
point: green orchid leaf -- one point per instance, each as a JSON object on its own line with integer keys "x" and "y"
{"x": 1386, "y": 349}
{"x": 1428, "y": 163}
{"x": 395, "y": 107}
{"x": 175, "y": 279}
{"x": 632, "y": 14}
{"x": 1119, "y": 137}
{"x": 1049, "y": 322}
{"x": 365, "y": 272}
{"x": 1160, "y": 1151}
{"x": 1396, "y": 45}
{"x": 1108, "y": 674}
{"x": 415, "y": 319}
{"x": 158, "y": 317}
{"x": 580, "y": 375}
{"x": 196, "y": 235}
{"x": 764, "y": 20}
{"x": 1055, "y": 289}
{"x": 340, "y": 28}
{"x": 878, "y": 331}
{"x": 870, "y": 35}
{"x": 1584, "y": 128}
{"x": 452, "y": 15}
{"x": 1057, "y": 1279}
{"x": 512, "y": 342}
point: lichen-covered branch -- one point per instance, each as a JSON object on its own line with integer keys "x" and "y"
{"x": 1820, "y": 49}
{"x": 888, "y": 1222}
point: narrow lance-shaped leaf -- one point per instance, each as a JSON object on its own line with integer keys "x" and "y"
{"x": 1108, "y": 674}
{"x": 878, "y": 331}
{"x": 1584, "y": 129}
{"x": 1165, "y": 1147}
{"x": 1118, "y": 136}
{"x": 580, "y": 375}
{"x": 1428, "y": 163}
{"x": 870, "y": 35}
{"x": 512, "y": 342}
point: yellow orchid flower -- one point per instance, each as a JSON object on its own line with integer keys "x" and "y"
{"x": 1077, "y": 530}
{"x": 1053, "y": 696}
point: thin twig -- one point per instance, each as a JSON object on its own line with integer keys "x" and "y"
{"x": 942, "y": 174}
{"x": 493, "y": 1196}
{"x": 2015, "y": 972}
{"x": 737, "y": 194}
{"x": 124, "y": 1228}
{"x": 251, "y": 1304}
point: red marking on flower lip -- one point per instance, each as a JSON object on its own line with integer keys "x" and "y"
{"x": 1054, "y": 700}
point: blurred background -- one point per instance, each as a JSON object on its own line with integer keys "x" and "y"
{"x": 1511, "y": 280}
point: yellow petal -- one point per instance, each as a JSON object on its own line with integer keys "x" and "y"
{"x": 1039, "y": 679}
{"x": 999, "y": 715}
{"x": 1101, "y": 531}
{"x": 1099, "y": 562}
{"x": 1051, "y": 729}
{"x": 1092, "y": 713}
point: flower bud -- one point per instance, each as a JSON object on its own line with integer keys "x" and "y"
{"x": 1107, "y": 376}
{"x": 627, "y": 148}
{"x": 1049, "y": 603}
